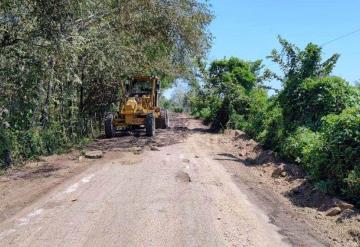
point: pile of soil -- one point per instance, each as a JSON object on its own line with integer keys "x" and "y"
{"x": 339, "y": 221}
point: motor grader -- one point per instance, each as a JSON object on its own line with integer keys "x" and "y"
{"x": 139, "y": 107}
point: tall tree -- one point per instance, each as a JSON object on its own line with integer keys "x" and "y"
{"x": 61, "y": 61}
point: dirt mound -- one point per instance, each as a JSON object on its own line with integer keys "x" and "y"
{"x": 336, "y": 218}
{"x": 306, "y": 195}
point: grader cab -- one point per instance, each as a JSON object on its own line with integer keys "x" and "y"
{"x": 139, "y": 107}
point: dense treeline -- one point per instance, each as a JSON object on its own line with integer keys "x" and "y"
{"x": 313, "y": 120}
{"x": 61, "y": 62}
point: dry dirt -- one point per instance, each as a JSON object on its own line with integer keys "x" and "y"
{"x": 186, "y": 187}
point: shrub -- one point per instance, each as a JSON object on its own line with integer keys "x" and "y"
{"x": 304, "y": 147}
{"x": 30, "y": 143}
{"x": 205, "y": 107}
{"x": 273, "y": 131}
{"x": 4, "y": 140}
{"x": 34, "y": 142}
{"x": 237, "y": 121}
{"x": 178, "y": 109}
{"x": 165, "y": 103}
{"x": 258, "y": 104}
{"x": 341, "y": 163}
{"x": 222, "y": 116}
{"x": 353, "y": 97}
{"x": 316, "y": 98}
{"x": 54, "y": 139}
{"x": 205, "y": 114}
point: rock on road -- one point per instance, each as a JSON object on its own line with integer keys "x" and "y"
{"x": 178, "y": 196}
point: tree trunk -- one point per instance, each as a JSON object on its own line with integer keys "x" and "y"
{"x": 7, "y": 158}
{"x": 45, "y": 115}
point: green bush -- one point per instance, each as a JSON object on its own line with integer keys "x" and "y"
{"x": 5, "y": 141}
{"x": 273, "y": 132}
{"x": 304, "y": 147}
{"x": 206, "y": 114}
{"x": 34, "y": 142}
{"x": 316, "y": 98}
{"x": 54, "y": 139}
{"x": 165, "y": 103}
{"x": 341, "y": 163}
{"x": 178, "y": 109}
{"x": 353, "y": 97}
{"x": 258, "y": 104}
{"x": 30, "y": 143}
{"x": 314, "y": 120}
{"x": 237, "y": 121}
{"x": 205, "y": 107}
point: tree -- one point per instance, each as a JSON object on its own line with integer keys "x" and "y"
{"x": 315, "y": 98}
{"x": 61, "y": 61}
{"x": 298, "y": 65}
{"x": 230, "y": 82}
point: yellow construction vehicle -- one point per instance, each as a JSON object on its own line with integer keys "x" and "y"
{"x": 139, "y": 107}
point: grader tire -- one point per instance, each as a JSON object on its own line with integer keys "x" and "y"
{"x": 109, "y": 127}
{"x": 150, "y": 125}
{"x": 167, "y": 119}
{"x": 161, "y": 121}
{"x": 164, "y": 119}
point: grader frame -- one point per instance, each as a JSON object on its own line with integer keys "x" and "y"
{"x": 139, "y": 107}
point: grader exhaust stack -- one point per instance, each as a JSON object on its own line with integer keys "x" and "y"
{"x": 139, "y": 107}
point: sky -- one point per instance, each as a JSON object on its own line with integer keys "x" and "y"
{"x": 248, "y": 29}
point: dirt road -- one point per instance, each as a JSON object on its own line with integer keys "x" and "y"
{"x": 174, "y": 190}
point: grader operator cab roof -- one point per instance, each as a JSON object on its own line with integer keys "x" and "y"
{"x": 141, "y": 85}
{"x": 144, "y": 78}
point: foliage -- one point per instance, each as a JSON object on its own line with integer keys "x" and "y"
{"x": 227, "y": 91}
{"x": 61, "y": 62}
{"x": 297, "y": 66}
{"x": 273, "y": 131}
{"x": 304, "y": 146}
{"x": 54, "y": 139}
{"x": 204, "y": 105}
{"x": 178, "y": 109}
{"x": 313, "y": 120}
{"x": 316, "y": 98}
{"x": 165, "y": 103}
{"x": 341, "y": 163}
{"x": 258, "y": 106}
{"x": 234, "y": 71}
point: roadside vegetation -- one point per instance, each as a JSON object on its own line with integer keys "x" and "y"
{"x": 61, "y": 62}
{"x": 314, "y": 120}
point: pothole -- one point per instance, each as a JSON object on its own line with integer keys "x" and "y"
{"x": 183, "y": 177}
